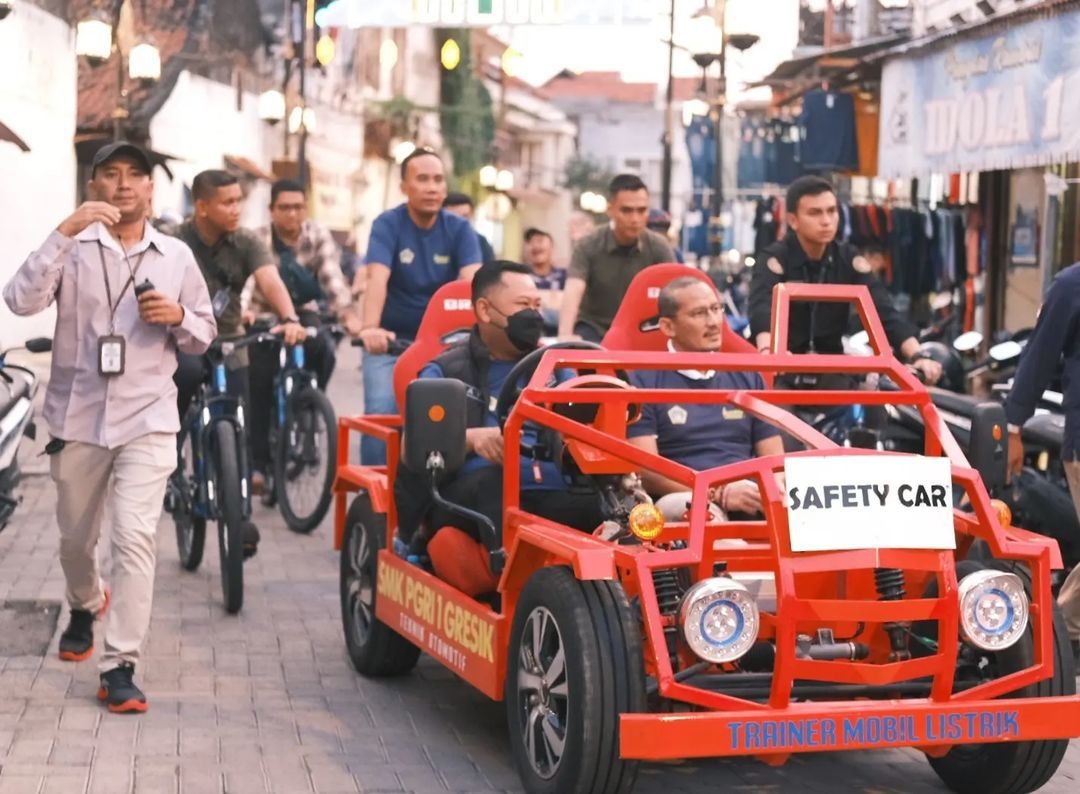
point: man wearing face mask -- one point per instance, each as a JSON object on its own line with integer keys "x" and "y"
{"x": 508, "y": 327}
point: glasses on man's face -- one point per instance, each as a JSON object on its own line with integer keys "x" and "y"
{"x": 290, "y": 207}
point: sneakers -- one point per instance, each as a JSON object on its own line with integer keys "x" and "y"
{"x": 251, "y": 540}
{"x": 119, "y": 693}
{"x": 77, "y": 641}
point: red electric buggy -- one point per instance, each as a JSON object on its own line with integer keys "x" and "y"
{"x": 850, "y": 615}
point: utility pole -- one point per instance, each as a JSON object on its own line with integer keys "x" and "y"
{"x": 665, "y": 190}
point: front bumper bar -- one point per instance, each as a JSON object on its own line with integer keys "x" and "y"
{"x": 854, "y": 725}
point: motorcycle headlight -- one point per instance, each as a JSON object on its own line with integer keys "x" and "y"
{"x": 719, "y": 619}
{"x": 993, "y": 609}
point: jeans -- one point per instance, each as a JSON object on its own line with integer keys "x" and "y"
{"x": 378, "y": 372}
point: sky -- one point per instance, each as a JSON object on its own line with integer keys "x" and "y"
{"x": 640, "y": 54}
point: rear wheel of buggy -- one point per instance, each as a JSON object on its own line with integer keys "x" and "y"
{"x": 574, "y": 665}
{"x": 1008, "y": 767}
{"x": 374, "y": 648}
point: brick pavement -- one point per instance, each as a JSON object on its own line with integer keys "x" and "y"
{"x": 267, "y": 702}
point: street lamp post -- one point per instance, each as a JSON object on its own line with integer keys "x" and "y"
{"x": 705, "y": 54}
{"x": 96, "y": 40}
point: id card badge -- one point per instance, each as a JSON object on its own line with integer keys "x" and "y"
{"x": 220, "y": 302}
{"x": 111, "y": 355}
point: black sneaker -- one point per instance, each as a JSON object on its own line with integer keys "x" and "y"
{"x": 77, "y": 641}
{"x": 251, "y": 540}
{"x": 119, "y": 693}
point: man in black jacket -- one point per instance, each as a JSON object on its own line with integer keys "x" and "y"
{"x": 810, "y": 253}
{"x": 1056, "y": 338}
{"x": 508, "y": 327}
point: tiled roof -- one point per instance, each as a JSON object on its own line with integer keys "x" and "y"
{"x": 182, "y": 30}
{"x": 600, "y": 85}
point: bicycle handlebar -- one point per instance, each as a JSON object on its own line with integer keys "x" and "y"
{"x": 394, "y": 348}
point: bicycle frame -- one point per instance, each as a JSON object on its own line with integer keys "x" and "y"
{"x": 213, "y": 405}
{"x": 291, "y": 375}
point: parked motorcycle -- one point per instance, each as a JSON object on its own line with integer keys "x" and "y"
{"x": 18, "y": 385}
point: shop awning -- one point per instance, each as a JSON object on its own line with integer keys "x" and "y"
{"x": 7, "y": 134}
{"x": 993, "y": 96}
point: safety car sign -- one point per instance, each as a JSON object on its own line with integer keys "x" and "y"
{"x": 844, "y": 502}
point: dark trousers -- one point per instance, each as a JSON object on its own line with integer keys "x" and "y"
{"x": 320, "y": 357}
{"x": 482, "y": 491}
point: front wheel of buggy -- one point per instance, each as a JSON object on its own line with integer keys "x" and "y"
{"x": 374, "y": 648}
{"x": 230, "y": 516}
{"x": 574, "y": 665}
{"x": 1011, "y": 767}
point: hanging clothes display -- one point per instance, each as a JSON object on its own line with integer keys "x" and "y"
{"x": 828, "y": 132}
{"x": 867, "y": 132}
{"x": 701, "y": 145}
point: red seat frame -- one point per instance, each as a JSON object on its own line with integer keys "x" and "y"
{"x": 640, "y": 305}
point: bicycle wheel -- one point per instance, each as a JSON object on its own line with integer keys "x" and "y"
{"x": 190, "y": 528}
{"x": 304, "y": 460}
{"x": 230, "y": 516}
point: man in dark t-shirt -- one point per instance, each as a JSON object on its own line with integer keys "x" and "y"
{"x": 700, "y": 436}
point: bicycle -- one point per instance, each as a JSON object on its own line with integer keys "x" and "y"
{"x": 212, "y": 480}
{"x": 303, "y": 445}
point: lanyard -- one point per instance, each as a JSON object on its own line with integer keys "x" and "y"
{"x": 108, "y": 289}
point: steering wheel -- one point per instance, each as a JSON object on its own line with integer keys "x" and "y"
{"x": 523, "y": 371}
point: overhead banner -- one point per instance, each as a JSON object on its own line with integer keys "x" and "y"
{"x": 1000, "y": 101}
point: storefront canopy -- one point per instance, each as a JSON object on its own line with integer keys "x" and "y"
{"x": 999, "y": 96}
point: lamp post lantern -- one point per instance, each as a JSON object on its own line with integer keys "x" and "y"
{"x": 710, "y": 46}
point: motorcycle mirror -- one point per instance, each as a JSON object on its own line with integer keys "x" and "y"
{"x": 40, "y": 344}
{"x": 967, "y": 342}
{"x": 1005, "y": 351}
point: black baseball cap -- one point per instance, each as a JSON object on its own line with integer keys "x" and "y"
{"x": 111, "y": 151}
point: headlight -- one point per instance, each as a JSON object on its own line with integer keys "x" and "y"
{"x": 993, "y": 609}
{"x": 719, "y": 619}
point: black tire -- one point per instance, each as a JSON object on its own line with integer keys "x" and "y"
{"x": 374, "y": 648}
{"x": 304, "y": 460}
{"x": 1012, "y": 767}
{"x": 230, "y": 516}
{"x": 589, "y": 625}
{"x": 190, "y": 529}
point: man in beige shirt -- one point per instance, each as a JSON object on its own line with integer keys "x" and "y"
{"x": 111, "y": 401}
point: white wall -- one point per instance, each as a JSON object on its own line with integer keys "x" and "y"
{"x": 37, "y": 101}
{"x": 200, "y": 124}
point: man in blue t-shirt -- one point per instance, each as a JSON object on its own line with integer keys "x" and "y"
{"x": 414, "y": 249}
{"x": 508, "y": 327}
{"x": 699, "y": 436}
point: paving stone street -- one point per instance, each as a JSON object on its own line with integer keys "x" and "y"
{"x": 266, "y": 701}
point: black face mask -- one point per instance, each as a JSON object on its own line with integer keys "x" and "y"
{"x": 524, "y": 329}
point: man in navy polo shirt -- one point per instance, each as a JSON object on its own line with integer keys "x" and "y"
{"x": 699, "y": 436}
{"x": 414, "y": 249}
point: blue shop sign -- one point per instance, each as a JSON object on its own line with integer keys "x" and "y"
{"x": 996, "y": 101}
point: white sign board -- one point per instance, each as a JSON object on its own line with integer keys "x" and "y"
{"x": 869, "y": 502}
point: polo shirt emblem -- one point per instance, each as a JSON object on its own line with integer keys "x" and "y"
{"x": 733, "y": 413}
{"x": 861, "y": 264}
{"x": 774, "y": 265}
{"x": 442, "y": 259}
{"x": 406, "y": 256}
{"x": 677, "y": 414}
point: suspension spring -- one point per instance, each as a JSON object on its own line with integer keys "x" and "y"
{"x": 889, "y": 583}
{"x": 669, "y": 590}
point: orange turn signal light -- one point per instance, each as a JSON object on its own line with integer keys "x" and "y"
{"x": 646, "y": 521}
{"x": 996, "y": 432}
{"x": 1004, "y": 512}
{"x": 436, "y": 413}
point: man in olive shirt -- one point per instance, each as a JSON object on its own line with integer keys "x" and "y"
{"x": 227, "y": 256}
{"x": 606, "y": 261}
